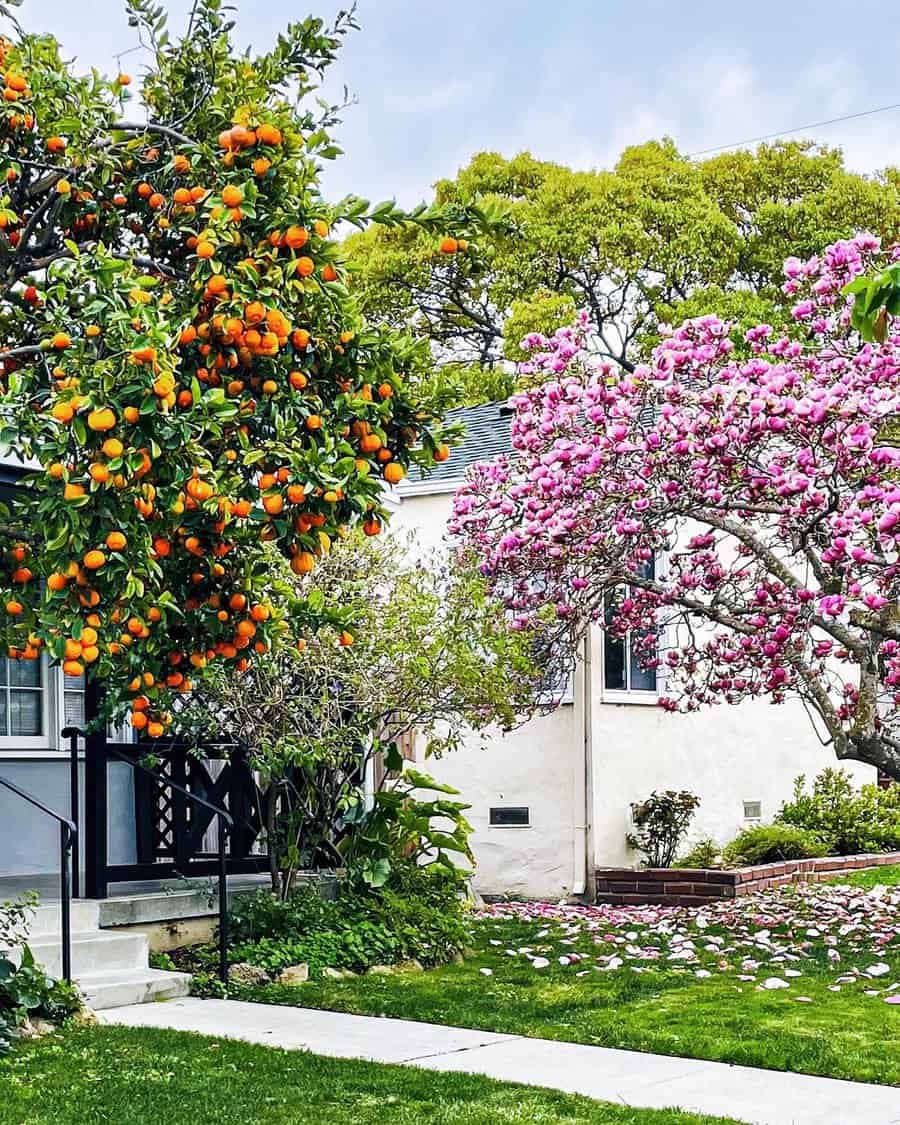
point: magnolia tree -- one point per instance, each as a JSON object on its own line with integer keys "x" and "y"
{"x": 179, "y": 355}
{"x": 740, "y": 516}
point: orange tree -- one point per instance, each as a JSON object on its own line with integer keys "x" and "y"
{"x": 182, "y": 364}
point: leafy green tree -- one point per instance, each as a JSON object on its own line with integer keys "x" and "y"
{"x": 430, "y": 657}
{"x": 656, "y": 239}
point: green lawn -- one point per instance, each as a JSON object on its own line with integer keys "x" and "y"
{"x": 701, "y": 1009}
{"x": 143, "y": 1076}
{"x": 887, "y": 876}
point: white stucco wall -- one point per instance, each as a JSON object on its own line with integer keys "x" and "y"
{"x": 540, "y": 765}
{"x": 726, "y": 755}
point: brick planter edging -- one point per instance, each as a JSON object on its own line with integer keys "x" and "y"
{"x": 684, "y": 886}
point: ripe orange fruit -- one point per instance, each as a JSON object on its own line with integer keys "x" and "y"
{"x": 261, "y": 166}
{"x": 269, "y": 387}
{"x": 116, "y": 541}
{"x": 155, "y": 730}
{"x": 124, "y": 80}
{"x": 60, "y": 341}
{"x": 73, "y": 491}
{"x": 113, "y": 448}
{"x": 345, "y": 639}
{"x": 372, "y": 526}
{"x": 17, "y": 82}
{"x": 303, "y": 562}
{"x": 314, "y": 422}
{"x": 101, "y": 420}
{"x": 449, "y": 245}
{"x": 298, "y": 380}
{"x": 181, "y": 164}
{"x": 56, "y": 582}
{"x": 139, "y": 720}
{"x": 131, "y": 414}
{"x": 246, "y": 629}
{"x": 205, "y": 249}
{"x": 156, "y": 200}
{"x": 93, "y": 560}
{"x": 296, "y": 237}
{"x": 98, "y": 472}
{"x": 56, "y": 144}
{"x": 393, "y": 472}
{"x": 300, "y": 338}
{"x": 329, "y": 273}
{"x": 199, "y": 490}
{"x": 62, "y": 412}
{"x": 321, "y": 228}
{"x": 305, "y": 266}
{"x": 442, "y": 453}
{"x": 63, "y": 187}
{"x": 182, "y": 195}
{"x": 274, "y": 503}
{"x": 73, "y": 668}
{"x": 14, "y": 608}
{"x": 260, "y": 613}
{"x": 268, "y": 135}
{"x": 232, "y": 196}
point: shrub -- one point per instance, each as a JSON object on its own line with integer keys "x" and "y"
{"x": 704, "y": 853}
{"x": 25, "y": 989}
{"x": 769, "y": 843}
{"x": 418, "y": 914}
{"x": 660, "y": 824}
{"x": 849, "y": 820}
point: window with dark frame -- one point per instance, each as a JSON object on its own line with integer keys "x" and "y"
{"x": 622, "y": 668}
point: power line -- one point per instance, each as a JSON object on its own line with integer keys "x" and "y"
{"x": 797, "y": 129}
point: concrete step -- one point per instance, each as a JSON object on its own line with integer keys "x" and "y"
{"x": 47, "y": 919}
{"x": 93, "y": 951}
{"x": 122, "y": 987}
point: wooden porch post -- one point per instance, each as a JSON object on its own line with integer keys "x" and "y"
{"x": 96, "y": 796}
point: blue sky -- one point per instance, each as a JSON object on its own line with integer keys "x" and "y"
{"x": 569, "y": 80}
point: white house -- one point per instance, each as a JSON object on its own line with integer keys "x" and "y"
{"x": 551, "y": 800}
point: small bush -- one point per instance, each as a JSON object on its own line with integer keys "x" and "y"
{"x": 705, "y": 853}
{"x": 769, "y": 843}
{"x": 660, "y": 823}
{"x": 849, "y": 820}
{"x": 418, "y": 914}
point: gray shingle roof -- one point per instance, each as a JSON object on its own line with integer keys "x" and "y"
{"x": 487, "y": 435}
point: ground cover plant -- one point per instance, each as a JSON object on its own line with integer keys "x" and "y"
{"x": 419, "y": 915}
{"x": 805, "y": 979}
{"x": 137, "y": 1076}
{"x": 27, "y": 993}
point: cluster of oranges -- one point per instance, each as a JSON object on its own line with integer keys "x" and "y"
{"x": 298, "y": 420}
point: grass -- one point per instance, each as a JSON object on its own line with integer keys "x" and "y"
{"x": 144, "y": 1076}
{"x": 887, "y": 876}
{"x": 663, "y": 1009}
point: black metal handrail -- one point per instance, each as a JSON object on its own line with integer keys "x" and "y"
{"x": 226, "y": 824}
{"x": 68, "y": 835}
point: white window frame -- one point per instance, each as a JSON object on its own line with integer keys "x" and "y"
{"x": 48, "y": 740}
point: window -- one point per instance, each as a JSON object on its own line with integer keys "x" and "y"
{"x": 622, "y": 667}
{"x": 555, "y": 673}
{"x": 73, "y": 701}
{"x": 752, "y": 810}
{"x": 22, "y": 698}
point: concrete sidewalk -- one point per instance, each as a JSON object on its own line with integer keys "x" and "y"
{"x": 758, "y": 1097}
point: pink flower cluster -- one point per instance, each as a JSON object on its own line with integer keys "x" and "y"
{"x": 751, "y": 506}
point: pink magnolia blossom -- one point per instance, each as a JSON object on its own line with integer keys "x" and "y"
{"x": 764, "y": 487}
